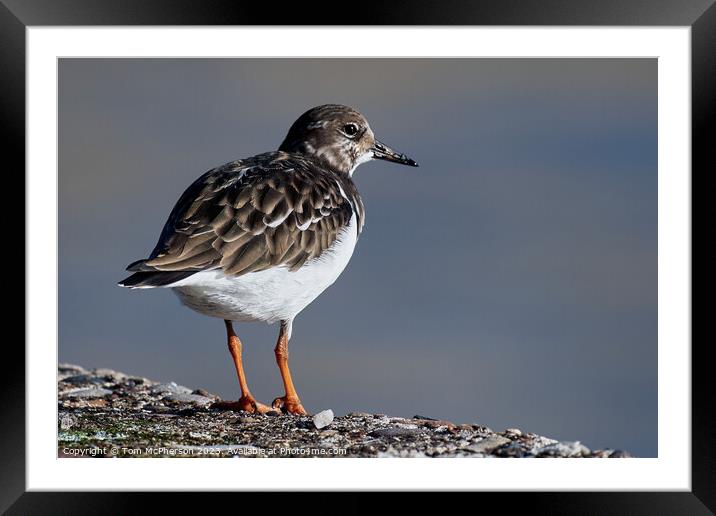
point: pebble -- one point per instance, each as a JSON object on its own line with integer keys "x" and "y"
{"x": 359, "y": 414}
{"x": 436, "y": 423}
{"x": 111, "y": 373}
{"x": 64, "y": 368}
{"x": 513, "y": 449}
{"x": 85, "y": 378}
{"x": 564, "y": 449}
{"x": 170, "y": 388}
{"x": 67, "y": 370}
{"x": 394, "y": 432}
{"x": 488, "y": 444}
{"x": 323, "y": 419}
{"x": 203, "y": 392}
{"x": 66, "y": 421}
{"x": 95, "y": 402}
{"x": 368, "y": 449}
{"x": 620, "y": 454}
{"x": 90, "y": 392}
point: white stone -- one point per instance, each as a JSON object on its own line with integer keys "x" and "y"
{"x": 323, "y": 418}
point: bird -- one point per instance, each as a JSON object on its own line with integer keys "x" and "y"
{"x": 258, "y": 239}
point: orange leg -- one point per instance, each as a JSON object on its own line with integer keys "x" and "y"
{"x": 290, "y": 402}
{"x": 247, "y": 401}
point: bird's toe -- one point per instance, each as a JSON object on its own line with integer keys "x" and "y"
{"x": 289, "y": 405}
{"x": 245, "y": 403}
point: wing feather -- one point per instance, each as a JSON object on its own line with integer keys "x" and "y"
{"x": 275, "y": 209}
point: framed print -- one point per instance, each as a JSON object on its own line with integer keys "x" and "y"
{"x": 508, "y": 278}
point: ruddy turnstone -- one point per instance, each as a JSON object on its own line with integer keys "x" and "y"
{"x": 258, "y": 239}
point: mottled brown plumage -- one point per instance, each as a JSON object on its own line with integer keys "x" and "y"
{"x": 270, "y": 210}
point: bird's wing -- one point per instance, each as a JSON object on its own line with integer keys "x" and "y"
{"x": 252, "y": 215}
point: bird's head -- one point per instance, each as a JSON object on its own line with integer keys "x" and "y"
{"x": 340, "y": 137}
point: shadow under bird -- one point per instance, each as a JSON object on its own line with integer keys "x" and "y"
{"x": 258, "y": 239}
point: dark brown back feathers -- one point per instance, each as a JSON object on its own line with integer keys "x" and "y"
{"x": 275, "y": 209}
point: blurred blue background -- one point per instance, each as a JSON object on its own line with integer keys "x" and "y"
{"x": 511, "y": 280}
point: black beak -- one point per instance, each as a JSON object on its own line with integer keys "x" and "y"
{"x": 382, "y": 151}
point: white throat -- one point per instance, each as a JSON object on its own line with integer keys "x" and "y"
{"x": 364, "y": 158}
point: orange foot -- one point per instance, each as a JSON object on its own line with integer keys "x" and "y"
{"x": 245, "y": 403}
{"x": 289, "y": 405}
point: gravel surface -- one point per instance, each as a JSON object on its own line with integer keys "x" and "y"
{"x": 105, "y": 413}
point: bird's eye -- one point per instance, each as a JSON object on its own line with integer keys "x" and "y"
{"x": 350, "y": 129}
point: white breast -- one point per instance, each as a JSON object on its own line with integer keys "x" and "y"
{"x": 272, "y": 295}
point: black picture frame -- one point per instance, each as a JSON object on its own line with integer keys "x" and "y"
{"x": 17, "y": 15}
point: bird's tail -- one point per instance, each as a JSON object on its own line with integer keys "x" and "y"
{"x": 154, "y": 279}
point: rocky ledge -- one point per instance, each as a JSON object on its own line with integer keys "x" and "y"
{"x": 105, "y": 413}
